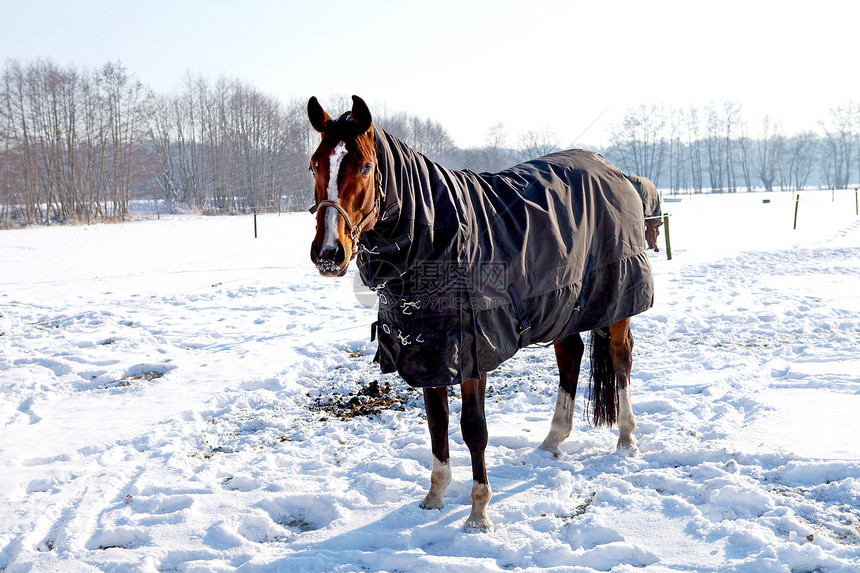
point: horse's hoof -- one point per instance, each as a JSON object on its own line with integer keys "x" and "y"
{"x": 556, "y": 453}
{"x": 629, "y": 449}
{"x": 429, "y": 503}
{"x": 483, "y": 525}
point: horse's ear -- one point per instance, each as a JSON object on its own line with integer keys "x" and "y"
{"x": 319, "y": 118}
{"x": 361, "y": 114}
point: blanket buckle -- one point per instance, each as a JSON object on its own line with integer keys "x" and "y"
{"x": 404, "y": 340}
{"x": 408, "y": 308}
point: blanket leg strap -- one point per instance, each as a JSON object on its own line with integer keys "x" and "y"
{"x": 522, "y": 317}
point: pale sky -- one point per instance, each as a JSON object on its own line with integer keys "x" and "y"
{"x": 537, "y": 64}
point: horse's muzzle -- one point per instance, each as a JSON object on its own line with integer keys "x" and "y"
{"x": 330, "y": 262}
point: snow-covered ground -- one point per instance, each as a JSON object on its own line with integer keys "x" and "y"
{"x": 174, "y": 397}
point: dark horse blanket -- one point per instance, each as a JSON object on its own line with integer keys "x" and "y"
{"x": 470, "y": 267}
{"x": 649, "y": 195}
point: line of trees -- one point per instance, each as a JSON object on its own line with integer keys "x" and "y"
{"x": 79, "y": 146}
{"x": 713, "y": 149}
{"x": 69, "y": 142}
{"x": 226, "y": 147}
{"x": 82, "y": 145}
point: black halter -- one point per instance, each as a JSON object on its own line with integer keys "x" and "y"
{"x": 355, "y": 230}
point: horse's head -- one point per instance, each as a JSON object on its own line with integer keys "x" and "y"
{"x": 652, "y": 232}
{"x": 347, "y": 191}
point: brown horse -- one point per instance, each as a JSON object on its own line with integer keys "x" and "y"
{"x": 467, "y": 273}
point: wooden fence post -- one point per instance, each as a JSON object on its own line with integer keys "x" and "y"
{"x": 666, "y": 234}
{"x": 796, "y": 205}
{"x": 255, "y": 224}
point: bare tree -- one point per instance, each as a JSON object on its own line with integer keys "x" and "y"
{"x": 423, "y": 135}
{"x": 838, "y": 144}
{"x": 537, "y": 143}
{"x": 678, "y": 171}
{"x": 744, "y": 149}
{"x": 723, "y": 123}
{"x": 19, "y": 147}
{"x": 124, "y": 101}
{"x": 769, "y": 151}
{"x": 159, "y": 133}
{"x": 496, "y": 156}
{"x": 695, "y": 147}
{"x": 800, "y": 159}
{"x": 640, "y": 143}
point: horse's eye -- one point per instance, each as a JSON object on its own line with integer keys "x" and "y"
{"x": 366, "y": 169}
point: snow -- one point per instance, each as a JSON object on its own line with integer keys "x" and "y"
{"x": 169, "y": 392}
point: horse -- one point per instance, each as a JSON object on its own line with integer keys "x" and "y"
{"x": 651, "y": 206}
{"x": 470, "y": 268}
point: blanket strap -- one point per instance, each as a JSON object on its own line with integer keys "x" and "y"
{"x": 522, "y": 317}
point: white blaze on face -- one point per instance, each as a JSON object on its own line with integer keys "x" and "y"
{"x": 330, "y": 234}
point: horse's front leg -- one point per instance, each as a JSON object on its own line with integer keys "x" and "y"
{"x": 473, "y": 424}
{"x": 568, "y": 354}
{"x": 621, "y": 350}
{"x": 436, "y": 406}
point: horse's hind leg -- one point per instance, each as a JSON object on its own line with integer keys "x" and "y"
{"x": 568, "y": 353}
{"x": 473, "y": 423}
{"x": 436, "y": 406}
{"x": 621, "y": 350}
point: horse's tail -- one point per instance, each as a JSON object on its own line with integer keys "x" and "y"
{"x": 603, "y": 400}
